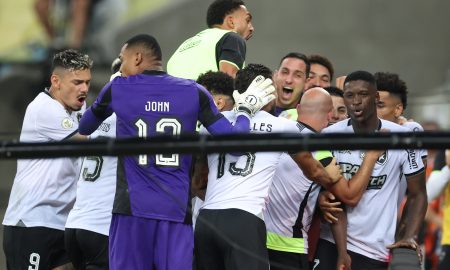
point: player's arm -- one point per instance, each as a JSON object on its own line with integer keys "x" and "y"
{"x": 230, "y": 51}
{"x": 339, "y": 231}
{"x": 258, "y": 94}
{"x": 315, "y": 171}
{"x": 413, "y": 213}
{"x": 97, "y": 113}
{"x": 351, "y": 191}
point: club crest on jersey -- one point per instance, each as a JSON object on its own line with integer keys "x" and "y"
{"x": 79, "y": 115}
{"x": 381, "y": 160}
{"x": 251, "y": 99}
{"x": 67, "y": 123}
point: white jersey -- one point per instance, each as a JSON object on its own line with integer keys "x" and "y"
{"x": 242, "y": 182}
{"x": 96, "y": 187}
{"x": 290, "y": 207}
{"x": 44, "y": 190}
{"x": 372, "y": 223}
{"x": 414, "y": 127}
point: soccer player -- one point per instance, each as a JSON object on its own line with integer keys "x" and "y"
{"x": 292, "y": 196}
{"x": 230, "y": 231}
{"x": 290, "y": 80}
{"x": 321, "y": 73}
{"x": 87, "y": 226}
{"x": 44, "y": 190}
{"x": 150, "y": 227}
{"x": 221, "y": 87}
{"x": 221, "y": 47}
{"x": 339, "y": 109}
{"x": 372, "y": 223}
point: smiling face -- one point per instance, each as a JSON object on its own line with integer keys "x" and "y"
{"x": 319, "y": 76}
{"x": 360, "y": 98}
{"x": 339, "y": 109}
{"x": 70, "y": 87}
{"x": 290, "y": 82}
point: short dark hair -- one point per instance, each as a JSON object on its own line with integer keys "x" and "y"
{"x": 391, "y": 82}
{"x": 245, "y": 76}
{"x": 361, "y": 75}
{"x": 335, "y": 91}
{"x": 219, "y": 9}
{"x": 322, "y": 60}
{"x": 148, "y": 42}
{"x": 71, "y": 60}
{"x": 217, "y": 83}
{"x": 299, "y": 56}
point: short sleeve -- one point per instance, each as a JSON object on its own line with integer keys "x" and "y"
{"x": 231, "y": 48}
{"x": 412, "y": 163}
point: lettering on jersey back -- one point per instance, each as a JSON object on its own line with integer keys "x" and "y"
{"x": 349, "y": 170}
{"x": 157, "y": 106}
{"x": 264, "y": 127}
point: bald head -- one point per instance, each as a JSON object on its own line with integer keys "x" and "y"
{"x": 315, "y": 108}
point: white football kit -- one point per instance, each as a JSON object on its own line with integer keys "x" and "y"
{"x": 242, "y": 182}
{"x": 372, "y": 223}
{"x": 44, "y": 190}
{"x": 291, "y": 204}
{"x": 96, "y": 187}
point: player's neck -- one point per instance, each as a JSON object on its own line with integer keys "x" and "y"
{"x": 369, "y": 126}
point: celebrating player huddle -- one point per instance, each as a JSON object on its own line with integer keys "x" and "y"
{"x": 254, "y": 210}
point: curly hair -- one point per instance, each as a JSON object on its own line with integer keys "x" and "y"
{"x": 71, "y": 60}
{"x": 217, "y": 83}
{"x": 219, "y": 9}
{"x": 245, "y": 76}
{"x": 322, "y": 60}
{"x": 391, "y": 82}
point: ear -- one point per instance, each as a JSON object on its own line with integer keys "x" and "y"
{"x": 377, "y": 97}
{"x": 220, "y": 103}
{"x": 55, "y": 81}
{"x": 138, "y": 58}
{"x": 398, "y": 110}
{"x": 229, "y": 22}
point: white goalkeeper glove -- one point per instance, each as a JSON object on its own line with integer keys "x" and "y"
{"x": 258, "y": 94}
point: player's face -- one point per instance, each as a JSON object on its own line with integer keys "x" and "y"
{"x": 339, "y": 110}
{"x": 389, "y": 107}
{"x": 290, "y": 81}
{"x": 319, "y": 76}
{"x": 70, "y": 88}
{"x": 360, "y": 98}
{"x": 242, "y": 22}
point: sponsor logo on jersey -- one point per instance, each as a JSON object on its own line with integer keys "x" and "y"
{"x": 67, "y": 123}
{"x": 412, "y": 159}
{"x": 381, "y": 160}
{"x": 349, "y": 170}
{"x": 344, "y": 152}
{"x": 79, "y": 115}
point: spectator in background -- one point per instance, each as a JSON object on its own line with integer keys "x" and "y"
{"x": 86, "y": 25}
{"x": 321, "y": 72}
{"x": 221, "y": 47}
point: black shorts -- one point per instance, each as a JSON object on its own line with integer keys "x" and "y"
{"x": 326, "y": 259}
{"x": 87, "y": 249}
{"x": 282, "y": 260}
{"x": 230, "y": 239}
{"x": 34, "y": 248}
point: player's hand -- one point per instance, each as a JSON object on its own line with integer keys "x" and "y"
{"x": 334, "y": 171}
{"x": 328, "y": 207}
{"x": 258, "y": 94}
{"x": 408, "y": 243}
{"x": 447, "y": 157}
{"x": 344, "y": 262}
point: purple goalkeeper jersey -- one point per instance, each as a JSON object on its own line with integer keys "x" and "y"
{"x": 146, "y": 105}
